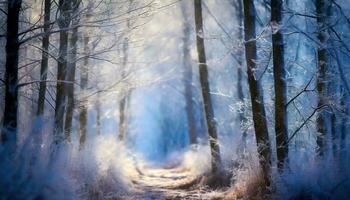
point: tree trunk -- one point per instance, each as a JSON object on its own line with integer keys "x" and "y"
{"x": 344, "y": 120}
{"x": 9, "y": 129}
{"x": 204, "y": 80}
{"x": 333, "y": 122}
{"x": 187, "y": 74}
{"x": 280, "y": 84}
{"x": 122, "y": 104}
{"x": 84, "y": 76}
{"x": 240, "y": 93}
{"x": 98, "y": 115}
{"x": 122, "y": 108}
{"x": 44, "y": 58}
{"x": 323, "y": 11}
{"x": 71, "y": 72}
{"x": 63, "y": 23}
{"x": 256, "y": 92}
{"x": 126, "y": 96}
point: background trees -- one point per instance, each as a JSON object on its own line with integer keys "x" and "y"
{"x": 187, "y": 74}
{"x": 122, "y": 70}
{"x": 125, "y": 97}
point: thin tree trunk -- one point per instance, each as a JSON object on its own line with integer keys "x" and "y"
{"x": 240, "y": 93}
{"x": 63, "y": 22}
{"x": 344, "y": 120}
{"x": 122, "y": 104}
{"x": 333, "y": 121}
{"x": 71, "y": 72}
{"x": 44, "y": 58}
{"x": 84, "y": 76}
{"x": 256, "y": 92}
{"x": 9, "y": 130}
{"x": 323, "y": 11}
{"x": 280, "y": 84}
{"x": 122, "y": 107}
{"x": 204, "y": 80}
{"x": 187, "y": 75}
{"x": 98, "y": 115}
{"x": 126, "y": 96}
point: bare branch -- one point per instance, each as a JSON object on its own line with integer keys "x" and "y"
{"x": 305, "y": 122}
{"x": 301, "y": 92}
{"x": 48, "y": 81}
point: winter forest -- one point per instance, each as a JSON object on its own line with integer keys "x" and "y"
{"x": 174, "y": 99}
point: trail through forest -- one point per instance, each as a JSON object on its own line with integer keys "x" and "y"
{"x": 169, "y": 182}
{"x": 174, "y": 99}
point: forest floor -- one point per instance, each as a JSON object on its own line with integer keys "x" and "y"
{"x": 171, "y": 183}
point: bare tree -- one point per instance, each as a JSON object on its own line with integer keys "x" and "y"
{"x": 280, "y": 84}
{"x": 204, "y": 81}
{"x": 9, "y": 129}
{"x": 84, "y": 77}
{"x": 323, "y": 9}
{"x": 256, "y": 92}
{"x": 71, "y": 69}
{"x": 63, "y": 23}
{"x": 45, "y": 57}
{"x": 122, "y": 103}
{"x": 125, "y": 97}
{"x": 239, "y": 58}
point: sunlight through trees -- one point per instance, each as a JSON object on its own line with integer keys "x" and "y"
{"x": 174, "y": 99}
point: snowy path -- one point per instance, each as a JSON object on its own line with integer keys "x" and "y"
{"x": 175, "y": 183}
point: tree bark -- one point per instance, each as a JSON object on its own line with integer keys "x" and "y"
{"x": 205, "y": 88}
{"x": 344, "y": 119}
{"x": 9, "y": 129}
{"x": 323, "y": 11}
{"x": 98, "y": 115}
{"x": 280, "y": 84}
{"x": 71, "y": 71}
{"x": 187, "y": 75}
{"x": 44, "y": 58}
{"x": 122, "y": 104}
{"x": 256, "y": 92}
{"x": 125, "y": 97}
{"x": 63, "y": 23}
{"x": 84, "y": 76}
{"x": 240, "y": 93}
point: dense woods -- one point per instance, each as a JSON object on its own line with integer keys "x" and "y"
{"x": 174, "y": 99}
